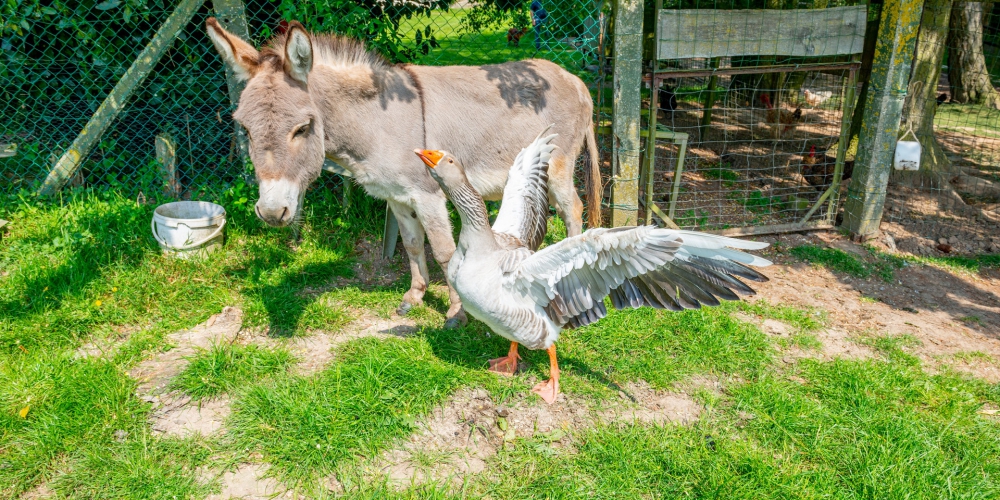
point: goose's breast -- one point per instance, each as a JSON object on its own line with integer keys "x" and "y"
{"x": 509, "y": 314}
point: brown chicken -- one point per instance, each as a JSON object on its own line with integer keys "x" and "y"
{"x": 818, "y": 170}
{"x": 779, "y": 121}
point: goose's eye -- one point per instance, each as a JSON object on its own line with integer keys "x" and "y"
{"x": 451, "y": 161}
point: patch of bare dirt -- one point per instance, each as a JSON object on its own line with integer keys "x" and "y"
{"x": 948, "y": 313}
{"x": 316, "y": 350}
{"x": 249, "y": 482}
{"x": 40, "y": 492}
{"x": 458, "y": 438}
{"x": 173, "y": 412}
{"x": 106, "y": 346}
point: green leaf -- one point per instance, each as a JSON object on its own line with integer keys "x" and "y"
{"x": 108, "y": 4}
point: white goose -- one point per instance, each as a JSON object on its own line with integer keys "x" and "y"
{"x": 529, "y": 297}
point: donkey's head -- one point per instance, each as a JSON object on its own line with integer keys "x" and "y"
{"x": 283, "y": 123}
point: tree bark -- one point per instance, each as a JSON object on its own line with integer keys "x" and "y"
{"x": 967, "y": 73}
{"x": 921, "y": 103}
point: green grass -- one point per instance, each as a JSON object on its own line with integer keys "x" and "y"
{"x": 306, "y": 427}
{"x": 841, "y": 429}
{"x": 968, "y": 119}
{"x": 852, "y": 429}
{"x": 489, "y": 46}
{"x": 756, "y": 202}
{"x": 884, "y": 265}
{"x": 225, "y": 368}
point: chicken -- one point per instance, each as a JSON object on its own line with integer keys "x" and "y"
{"x": 779, "y": 122}
{"x": 814, "y": 99}
{"x": 941, "y": 98}
{"x": 666, "y": 103}
{"x": 514, "y": 36}
{"x": 818, "y": 170}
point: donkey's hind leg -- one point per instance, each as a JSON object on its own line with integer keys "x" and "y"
{"x": 413, "y": 240}
{"x": 563, "y": 195}
{"x": 433, "y": 214}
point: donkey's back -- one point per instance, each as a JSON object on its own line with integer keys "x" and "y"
{"x": 484, "y": 115}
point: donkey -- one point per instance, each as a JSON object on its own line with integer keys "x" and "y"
{"x": 315, "y": 96}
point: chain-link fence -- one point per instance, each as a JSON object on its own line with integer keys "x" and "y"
{"x": 951, "y": 204}
{"x": 764, "y": 156}
{"x": 61, "y": 61}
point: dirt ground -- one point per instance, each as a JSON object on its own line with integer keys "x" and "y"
{"x": 954, "y": 319}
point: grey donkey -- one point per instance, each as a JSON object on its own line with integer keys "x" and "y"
{"x": 315, "y": 96}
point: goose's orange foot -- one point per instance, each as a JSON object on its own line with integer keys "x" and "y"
{"x": 548, "y": 390}
{"x": 506, "y": 365}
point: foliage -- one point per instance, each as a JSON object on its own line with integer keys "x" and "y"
{"x": 377, "y": 23}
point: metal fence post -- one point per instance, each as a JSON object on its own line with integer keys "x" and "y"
{"x": 627, "y": 100}
{"x": 232, "y": 16}
{"x": 897, "y": 38}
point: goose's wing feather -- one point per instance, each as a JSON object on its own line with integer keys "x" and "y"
{"x": 636, "y": 266}
{"x": 524, "y": 210}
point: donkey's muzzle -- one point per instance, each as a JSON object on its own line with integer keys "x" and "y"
{"x": 274, "y": 216}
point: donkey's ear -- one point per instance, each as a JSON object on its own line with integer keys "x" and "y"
{"x": 239, "y": 55}
{"x": 298, "y": 52}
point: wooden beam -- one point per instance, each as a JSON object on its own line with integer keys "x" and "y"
{"x": 70, "y": 161}
{"x": 727, "y": 33}
{"x": 627, "y": 101}
{"x": 897, "y": 39}
{"x": 231, "y": 14}
{"x": 166, "y": 154}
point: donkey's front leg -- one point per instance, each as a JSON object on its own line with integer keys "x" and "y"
{"x": 433, "y": 214}
{"x": 413, "y": 240}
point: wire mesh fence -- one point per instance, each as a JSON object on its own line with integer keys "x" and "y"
{"x": 752, "y": 162}
{"x": 764, "y": 157}
{"x": 61, "y": 61}
{"x": 950, "y": 206}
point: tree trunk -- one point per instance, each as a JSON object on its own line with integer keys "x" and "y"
{"x": 921, "y": 103}
{"x": 967, "y": 73}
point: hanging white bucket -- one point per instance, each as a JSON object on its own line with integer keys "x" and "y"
{"x": 185, "y": 228}
{"x": 907, "y": 152}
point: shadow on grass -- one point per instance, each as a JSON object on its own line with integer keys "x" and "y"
{"x": 939, "y": 288}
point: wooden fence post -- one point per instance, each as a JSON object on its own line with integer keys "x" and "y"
{"x": 232, "y": 16}
{"x": 70, "y": 161}
{"x": 627, "y": 101}
{"x": 897, "y": 38}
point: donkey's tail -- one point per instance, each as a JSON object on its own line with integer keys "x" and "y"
{"x": 595, "y": 190}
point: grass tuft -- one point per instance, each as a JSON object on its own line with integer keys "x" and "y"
{"x": 224, "y": 368}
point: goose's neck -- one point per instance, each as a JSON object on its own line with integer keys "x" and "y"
{"x": 475, "y": 219}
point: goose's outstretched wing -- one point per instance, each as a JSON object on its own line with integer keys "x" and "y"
{"x": 636, "y": 266}
{"x": 524, "y": 210}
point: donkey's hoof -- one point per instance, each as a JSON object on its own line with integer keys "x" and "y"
{"x": 455, "y": 322}
{"x": 404, "y": 308}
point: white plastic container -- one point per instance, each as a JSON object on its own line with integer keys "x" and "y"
{"x": 186, "y": 228}
{"x": 907, "y": 153}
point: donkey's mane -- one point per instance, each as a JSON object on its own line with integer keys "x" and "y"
{"x": 328, "y": 49}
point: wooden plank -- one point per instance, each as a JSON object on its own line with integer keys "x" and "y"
{"x": 727, "y": 33}
{"x": 793, "y": 227}
{"x": 890, "y": 77}
{"x": 70, "y": 161}
{"x": 231, "y": 14}
{"x": 166, "y": 155}
{"x": 627, "y": 101}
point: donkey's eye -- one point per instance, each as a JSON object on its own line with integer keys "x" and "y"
{"x": 303, "y": 130}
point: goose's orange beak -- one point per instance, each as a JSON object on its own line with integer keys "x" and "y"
{"x": 430, "y": 157}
